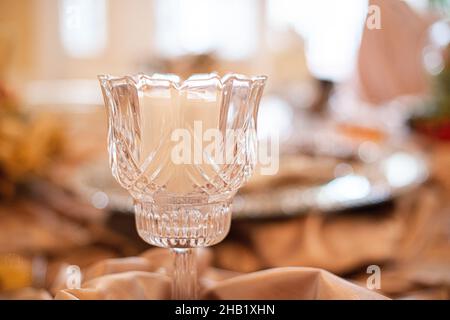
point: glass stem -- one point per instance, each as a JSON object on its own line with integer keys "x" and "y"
{"x": 184, "y": 278}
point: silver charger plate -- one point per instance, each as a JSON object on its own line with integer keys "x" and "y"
{"x": 395, "y": 173}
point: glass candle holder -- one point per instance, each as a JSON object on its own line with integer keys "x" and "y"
{"x": 182, "y": 150}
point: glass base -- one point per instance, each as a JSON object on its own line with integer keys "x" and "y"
{"x": 183, "y": 226}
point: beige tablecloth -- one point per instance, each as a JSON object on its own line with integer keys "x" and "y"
{"x": 146, "y": 277}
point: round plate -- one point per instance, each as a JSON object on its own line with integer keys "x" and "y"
{"x": 364, "y": 185}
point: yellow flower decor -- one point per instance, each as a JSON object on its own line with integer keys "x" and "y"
{"x": 27, "y": 144}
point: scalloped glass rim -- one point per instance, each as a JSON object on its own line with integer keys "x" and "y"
{"x": 175, "y": 81}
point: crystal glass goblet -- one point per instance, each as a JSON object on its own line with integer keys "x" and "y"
{"x": 182, "y": 150}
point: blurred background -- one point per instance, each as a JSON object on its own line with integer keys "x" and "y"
{"x": 358, "y": 92}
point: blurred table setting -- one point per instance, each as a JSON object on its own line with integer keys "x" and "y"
{"x": 359, "y": 207}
